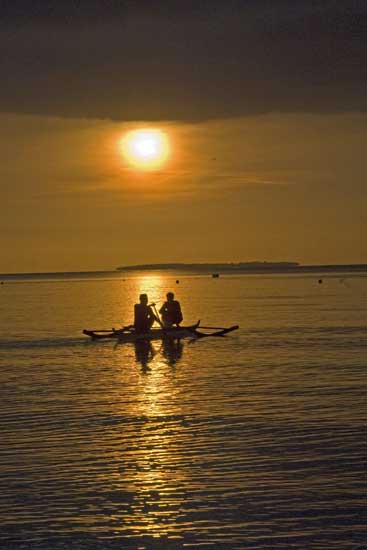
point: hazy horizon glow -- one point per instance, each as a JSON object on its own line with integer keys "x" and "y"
{"x": 274, "y": 187}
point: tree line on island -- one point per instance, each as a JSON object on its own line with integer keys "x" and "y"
{"x": 210, "y": 267}
{"x": 243, "y": 267}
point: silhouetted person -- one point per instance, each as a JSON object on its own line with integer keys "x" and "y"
{"x": 143, "y": 315}
{"x": 171, "y": 311}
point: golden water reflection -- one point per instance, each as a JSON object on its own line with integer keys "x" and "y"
{"x": 153, "y": 470}
{"x": 154, "y": 475}
{"x": 153, "y": 463}
{"x": 153, "y": 285}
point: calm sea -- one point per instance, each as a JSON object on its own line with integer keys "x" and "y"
{"x": 255, "y": 440}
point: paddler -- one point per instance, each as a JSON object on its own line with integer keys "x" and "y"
{"x": 171, "y": 311}
{"x": 143, "y": 315}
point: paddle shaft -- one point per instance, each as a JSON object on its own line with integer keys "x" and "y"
{"x": 157, "y": 315}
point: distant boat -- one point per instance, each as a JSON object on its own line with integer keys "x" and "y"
{"x": 215, "y": 275}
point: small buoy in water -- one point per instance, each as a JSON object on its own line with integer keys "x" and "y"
{"x": 2, "y": 282}
{"x": 215, "y": 275}
{"x": 177, "y": 282}
{"x": 320, "y": 281}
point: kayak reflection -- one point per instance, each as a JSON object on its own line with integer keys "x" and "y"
{"x": 144, "y": 353}
{"x": 171, "y": 349}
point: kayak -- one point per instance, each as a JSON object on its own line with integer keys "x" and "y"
{"x": 128, "y": 334}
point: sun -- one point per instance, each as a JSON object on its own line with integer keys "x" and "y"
{"x": 145, "y": 149}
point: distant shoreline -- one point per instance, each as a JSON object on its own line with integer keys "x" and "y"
{"x": 244, "y": 267}
{"x": 210, "y": 268}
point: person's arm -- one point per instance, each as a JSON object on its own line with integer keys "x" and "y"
{"x": 179, "y": 313}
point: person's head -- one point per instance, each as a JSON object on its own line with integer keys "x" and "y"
{"x": 170, "y": 296}
{"x": 143, "y": 299}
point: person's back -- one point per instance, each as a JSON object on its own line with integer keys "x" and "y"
{"x": 143, "y": 315}
{"x": 171, "y": 311}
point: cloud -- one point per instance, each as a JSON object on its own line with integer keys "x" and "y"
{"x": 185, "y": 61}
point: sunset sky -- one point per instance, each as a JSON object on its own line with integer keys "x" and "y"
{"x": 262, "y": 106}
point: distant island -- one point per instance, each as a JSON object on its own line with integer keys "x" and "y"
{"x": 243, "y": 267}
{"x": 210, "y": 267}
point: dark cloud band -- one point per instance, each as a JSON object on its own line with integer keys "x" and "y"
{"x": 182, "y": 60}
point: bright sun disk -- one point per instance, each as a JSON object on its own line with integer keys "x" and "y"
{"x": 146, "y": 149}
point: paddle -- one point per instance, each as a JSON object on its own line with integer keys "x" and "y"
{"x": 157, "y": 314}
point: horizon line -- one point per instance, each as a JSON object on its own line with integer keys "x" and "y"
{"x": 283, "y": 266}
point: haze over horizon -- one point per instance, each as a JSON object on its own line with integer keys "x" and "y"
{"x": 264, "y": 106}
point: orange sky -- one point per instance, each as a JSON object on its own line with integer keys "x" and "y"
{"x": 267, "y": 187}
{"x": 264, "y": 104}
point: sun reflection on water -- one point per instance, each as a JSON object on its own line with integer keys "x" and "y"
{"x": 151, "y": 468}
{"x": 154, "y": 477}
{"x": 153, "y": 285}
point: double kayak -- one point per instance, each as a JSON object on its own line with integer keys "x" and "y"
{"x": 128, "y": 334}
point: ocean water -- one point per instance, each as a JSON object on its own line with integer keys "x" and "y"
{"x": 255, "y": 440}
